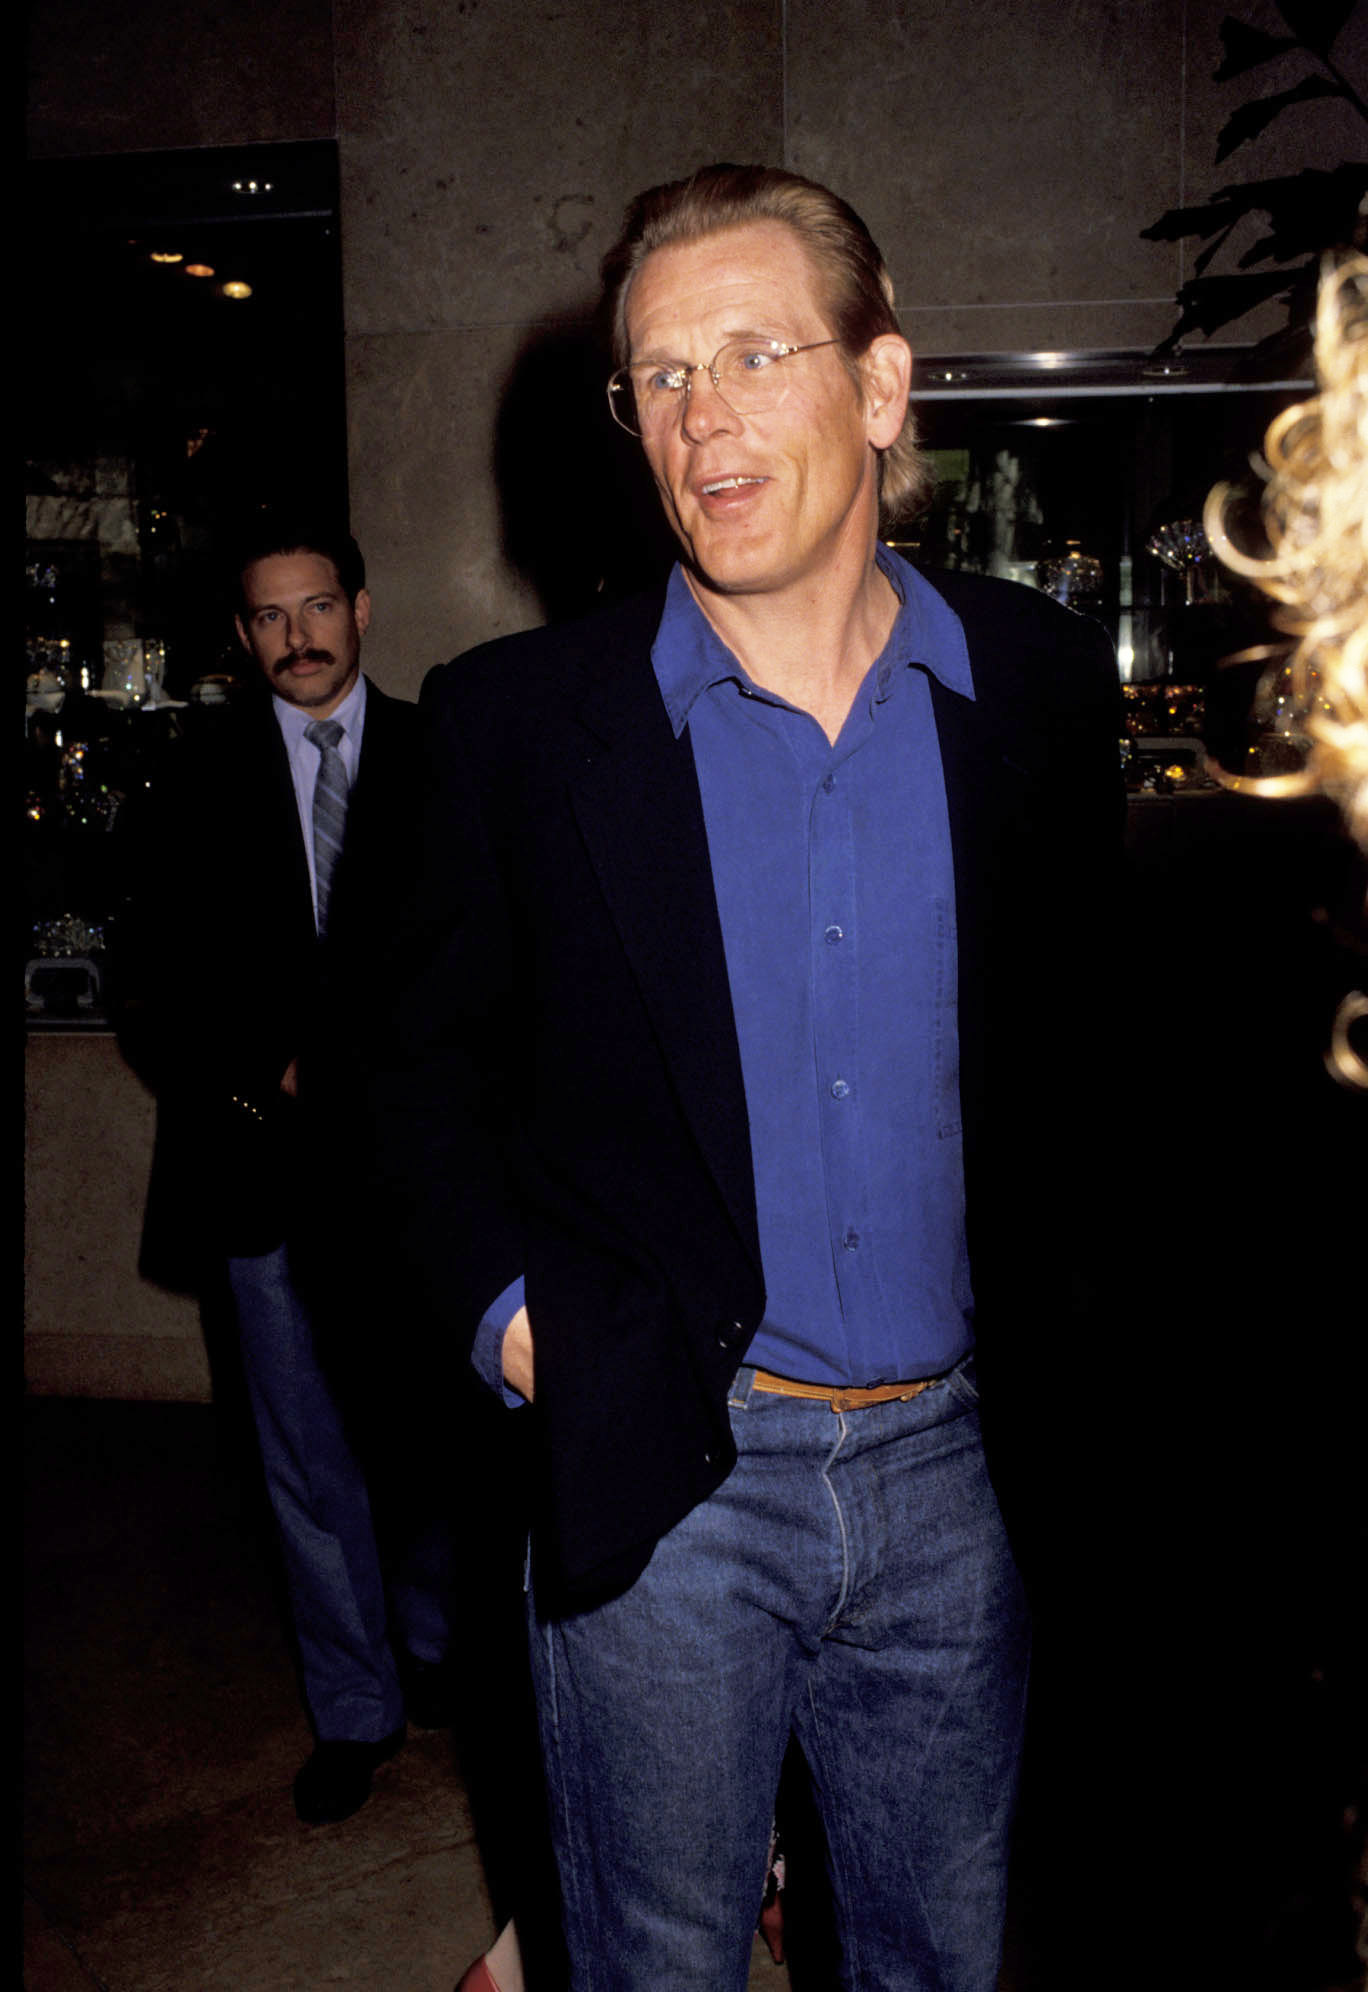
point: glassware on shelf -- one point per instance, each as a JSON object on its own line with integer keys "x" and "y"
{"x": 89, "y": 800}
{"x": 67, "y": 934}
{"x": 154, "y": 677}
{"x": 125, "y": 671}
{"x": 1073, "y": 577}
{"x": 63, "y": 979}
{"x": 1185, "y": 550}
{"x": 44, "y": 692}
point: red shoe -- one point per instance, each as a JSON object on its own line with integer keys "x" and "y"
{"x": 479, "y": 1978}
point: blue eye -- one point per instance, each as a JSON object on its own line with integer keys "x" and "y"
{"x": 665, "y": 380}
{"x": 754, "y": 359}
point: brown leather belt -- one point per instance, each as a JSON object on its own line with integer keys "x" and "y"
{"x": 850, "y": 1398}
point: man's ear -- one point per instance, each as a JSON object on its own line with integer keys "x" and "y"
{"x": 361, "y": 610}
{"x": 242, "y": 634}
{"x": 886, "y": 368}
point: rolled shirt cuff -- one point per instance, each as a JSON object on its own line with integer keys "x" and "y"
{"x": 487, "y": 1355}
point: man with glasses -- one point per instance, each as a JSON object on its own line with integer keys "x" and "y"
{"x": 718, "y": 1106}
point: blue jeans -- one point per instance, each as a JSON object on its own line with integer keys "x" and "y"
{"x": 322, "y": 1510}
{"x": 851, "y": 1582}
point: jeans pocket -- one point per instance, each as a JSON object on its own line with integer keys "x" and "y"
{"x": 962, "y": 1382}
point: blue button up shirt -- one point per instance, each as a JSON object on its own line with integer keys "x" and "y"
{"x": 832, "y": 867}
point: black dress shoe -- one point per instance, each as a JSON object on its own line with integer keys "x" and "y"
{"x": 427, "y": 1692}
{"x": 336, "y": 1781}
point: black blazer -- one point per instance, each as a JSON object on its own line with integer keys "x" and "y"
{"x": 222, "y": 974}
{"x": 558, "y": 1092}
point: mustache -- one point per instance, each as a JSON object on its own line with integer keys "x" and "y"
{"x": 294, "y": 657}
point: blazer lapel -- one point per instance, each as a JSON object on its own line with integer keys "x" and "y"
{"x": 637, "y": 803}
{"x": 974, "y": 773}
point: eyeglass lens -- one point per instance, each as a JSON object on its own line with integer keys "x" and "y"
{"x": 749, "y": 374}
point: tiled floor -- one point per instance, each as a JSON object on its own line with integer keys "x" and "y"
{"x": 163, "y": 1730}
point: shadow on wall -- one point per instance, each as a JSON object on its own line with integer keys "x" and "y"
{"x": 581, "y": 521}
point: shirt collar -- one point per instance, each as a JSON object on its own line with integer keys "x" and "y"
{"x": 689, "y": 656}
{"x": 351, "y": 715}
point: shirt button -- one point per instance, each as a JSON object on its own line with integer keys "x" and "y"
{"x": 828, "y": 783}
{"x": 832, "y": 935}
{"x": 839, "y": 1089}
{"x": 851, "y": 1240}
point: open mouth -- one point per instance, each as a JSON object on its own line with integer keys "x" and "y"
{"x": 716, "y": 484}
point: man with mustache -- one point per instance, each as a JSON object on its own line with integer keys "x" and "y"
{"x": 760, "y": 921}
{"x": 270, "y": 841}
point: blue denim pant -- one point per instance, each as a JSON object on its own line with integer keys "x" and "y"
{"x": 851, "y": 1581}
{"x": 322, "y": 1509}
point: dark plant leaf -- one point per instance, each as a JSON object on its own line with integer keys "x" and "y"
{"x": 1258, "y": 252}
{"x": 1316, "y": 23}
{"x": 1246, "y": 48}
{"x": 1250, "y": 119}
{"x": 1312, "y": 212}
{"x": 1222, "y": 211}
{"x": 1207, "y": 303}
{"x": 1212, "y": 249}
{"x": 1312, "y": 207}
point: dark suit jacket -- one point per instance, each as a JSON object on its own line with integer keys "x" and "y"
{"x": 562, "y": 1095}
{"x": 223, "y": 975}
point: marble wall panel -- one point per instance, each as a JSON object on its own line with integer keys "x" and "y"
{"x": 422, "y": 412}
{"x": 1003, "y": 157}
{"x": 488, "y": 148}
{"x": 145, "y": 77}
{"x": 93, "y": 1327}
{"x": 490, "y": 490}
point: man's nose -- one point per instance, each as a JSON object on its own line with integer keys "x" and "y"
{"x": 705, "y": 412}
{"x": 296, "y": 633}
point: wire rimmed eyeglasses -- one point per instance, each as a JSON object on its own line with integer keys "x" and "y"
{"x": 747, "y": 373}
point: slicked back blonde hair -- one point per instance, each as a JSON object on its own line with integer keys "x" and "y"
{"x": 855, "y": 288}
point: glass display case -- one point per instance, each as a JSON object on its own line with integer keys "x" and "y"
{"x": 183, "y": 364}
{"x": 1085, "y": 474}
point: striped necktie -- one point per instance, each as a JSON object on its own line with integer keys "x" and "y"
{"x": 329, "y": 809}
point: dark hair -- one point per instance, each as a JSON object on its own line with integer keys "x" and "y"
{"x": 270, "y": 533}
{"x": 854, "y": 284}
